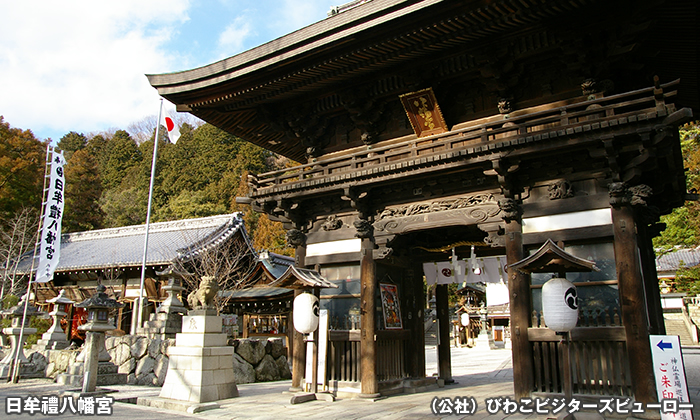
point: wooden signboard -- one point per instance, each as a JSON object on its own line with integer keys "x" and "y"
{"x": 423, "y": 112}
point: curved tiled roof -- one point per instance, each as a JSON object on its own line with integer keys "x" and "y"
{"x": 672, "y": 261}
{"x": 123, "y": 246}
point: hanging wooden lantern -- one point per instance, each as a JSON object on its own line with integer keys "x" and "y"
{"x": 306, "y": 309}
{"x": 560, "y": 305}
{"x": 464, "y": 319}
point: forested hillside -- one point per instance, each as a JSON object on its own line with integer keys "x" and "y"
{"x": 108, "y": 174}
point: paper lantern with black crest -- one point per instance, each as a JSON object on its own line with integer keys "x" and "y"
{"x": 560, "y": 305}
{"x": 306, "y": 309}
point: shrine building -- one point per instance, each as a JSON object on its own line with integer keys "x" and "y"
{"x": 423, "y": 124}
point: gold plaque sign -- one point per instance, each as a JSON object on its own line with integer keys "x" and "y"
{"x": 423, "y": 112}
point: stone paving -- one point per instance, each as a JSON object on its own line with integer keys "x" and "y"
{"x": 479, "y": 373}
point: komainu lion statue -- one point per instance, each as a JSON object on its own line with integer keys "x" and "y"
{"x": 205, "y": 294}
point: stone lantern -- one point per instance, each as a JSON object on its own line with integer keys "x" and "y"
{"x": 16, "y": 313}
{"x": 55, "y": 338}
{"x": 98, "y": 307}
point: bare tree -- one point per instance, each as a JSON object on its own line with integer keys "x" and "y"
{"x": 230, "y": 262}
{"x": 16, "y": 239}
{"x": 143, "y": 129}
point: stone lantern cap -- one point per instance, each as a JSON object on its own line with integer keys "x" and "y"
{"x": 60, "y": 299}
{"x": 100, "y": 300}
{"x": 18, "y": 310}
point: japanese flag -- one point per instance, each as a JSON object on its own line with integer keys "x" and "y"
{"x": 167, "y": 121}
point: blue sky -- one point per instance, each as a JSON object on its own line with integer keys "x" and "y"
{"x": 80, "y": 65}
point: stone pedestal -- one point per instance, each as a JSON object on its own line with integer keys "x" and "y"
{"x": 161, "y": 325}
{"x": 17, "y": 347}
{"x": 107, "y": 372}
{"x": 200, "y": 367}
{"x": 93, "y": 366}
{"x": 167, "y": 321}
{"x": 17, "y": 314}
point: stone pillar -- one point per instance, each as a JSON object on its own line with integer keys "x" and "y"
{"x": 519, "y": 294}
{"x": 94, "y": 342}
{"x": 632, "y": 298}
{"x": 368, "y": 343}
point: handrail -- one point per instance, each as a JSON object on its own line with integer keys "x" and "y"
{"x": 558, "y": 118}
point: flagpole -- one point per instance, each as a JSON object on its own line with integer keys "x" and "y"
{"x": 14, "y": 376}
{"x": 139, "y": 317}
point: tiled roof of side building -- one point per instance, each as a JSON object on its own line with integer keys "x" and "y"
{"x": 123, "y": 246}
{"x": 672, "y": 261}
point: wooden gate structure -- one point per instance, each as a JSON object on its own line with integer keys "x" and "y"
{"x": 423, "y": 124}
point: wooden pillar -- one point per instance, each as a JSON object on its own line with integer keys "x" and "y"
{"x": 297, "y": 347}
{"x": 634, "y": 314}
{"x": 416, "y": 311}
{"x": 519, "y": 293}
{"x": 651, "y": 281}
{"x": 368, "y": 343}
{"x": 443, "y": 348}
{"x": 298, "y": 354}
{"x": 290, "y": 334}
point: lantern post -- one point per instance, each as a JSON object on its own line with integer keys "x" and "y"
{"x": 98, "y": 307}
{"x": 559, "y": 298}
{"x": 306, "y": 314}
{"x": 560, "y": 310}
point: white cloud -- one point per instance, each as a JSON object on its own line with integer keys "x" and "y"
{"x": 233, "y": 38}
{"x": 293, "y": 14}
{"x": 80, "y": 65}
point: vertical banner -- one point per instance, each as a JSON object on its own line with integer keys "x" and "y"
{"x": 671, "y": 386}
{"x": 50, "y": 240}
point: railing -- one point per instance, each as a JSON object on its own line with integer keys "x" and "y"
{"x": 598, "y": 355}
{"x": 598, "y": 366}
{"x": 480, "y": 136}
{"x": 344, "y": 355}
{"x": 343, "y": 363}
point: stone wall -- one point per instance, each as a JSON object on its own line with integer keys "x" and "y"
{"x": 145, "y": 360}
{"x": 260, "y": 360}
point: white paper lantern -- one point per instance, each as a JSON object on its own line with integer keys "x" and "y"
{"x": 306, "y": 308}
{"x": 464, "y": 319}
{"x": 559, "y": 305}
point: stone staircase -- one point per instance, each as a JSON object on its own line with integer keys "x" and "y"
{"x": 431, "y": 329}
{"x": 676, "y": 325}
{"x": 694, "y": 312}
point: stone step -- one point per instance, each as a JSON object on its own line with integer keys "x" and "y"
{"x": 678, "y": 327}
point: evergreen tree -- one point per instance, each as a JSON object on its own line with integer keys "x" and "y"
{"x": 121, "y": 154}
{"x": 71, "y": 143}
{"x": 683, "y": 223}
{"x": 124, "y": 208}
{"x": 83, "y": 192}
